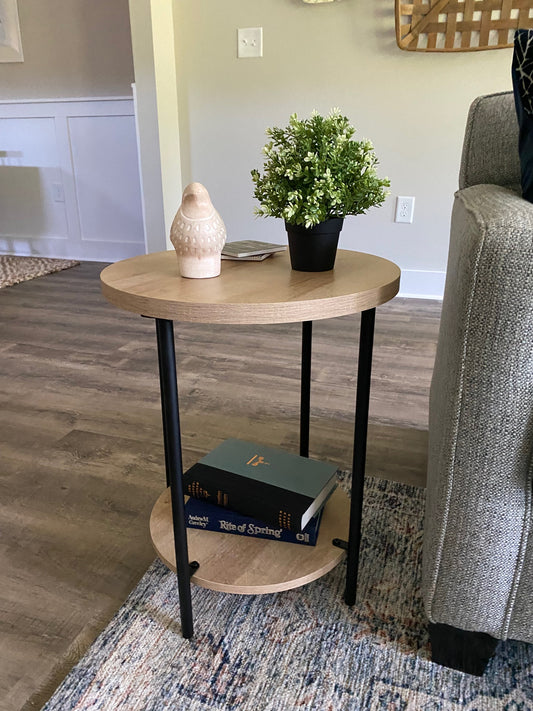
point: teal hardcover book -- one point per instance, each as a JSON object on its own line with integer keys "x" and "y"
{"x": 275, "y": 486}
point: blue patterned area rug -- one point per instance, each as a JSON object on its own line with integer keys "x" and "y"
{"x": 301, "y": 649}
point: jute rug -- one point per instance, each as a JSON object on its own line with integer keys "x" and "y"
{"x": 14, "y": 270}
{"x": 301, "y": 649}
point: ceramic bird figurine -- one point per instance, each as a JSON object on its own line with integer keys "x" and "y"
{"x": 198, "y": 234}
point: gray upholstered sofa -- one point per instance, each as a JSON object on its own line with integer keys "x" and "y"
{"x": 478, "y": 537}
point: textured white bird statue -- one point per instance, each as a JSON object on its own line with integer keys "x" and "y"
{"x": 198, "y": 234}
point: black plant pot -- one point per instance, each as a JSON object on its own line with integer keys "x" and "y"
{"x": 313, "y": 249}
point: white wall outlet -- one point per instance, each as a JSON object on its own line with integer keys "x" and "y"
{"x": 405, "y": 209}
{"x": 249, "y": 42}
{"x": 58, "y": 192}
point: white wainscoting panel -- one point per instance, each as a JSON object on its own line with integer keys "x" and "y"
{"x": 69, "y": 179}
{"x": 109, "y": 200}
{"x": 28, "y": 170}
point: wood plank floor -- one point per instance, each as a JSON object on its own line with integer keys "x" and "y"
{"x": 81, "y": 455}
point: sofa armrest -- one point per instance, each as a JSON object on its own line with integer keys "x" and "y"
{"x": 478, "y": 514}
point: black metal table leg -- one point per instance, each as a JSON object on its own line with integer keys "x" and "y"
{"x": 305, "y": 387}
{"x": 174, "y": 466}
{"x": 162, "y": 386}
{"x": 364, "y": 369}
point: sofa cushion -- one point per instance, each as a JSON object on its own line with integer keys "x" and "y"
{"x": 522, "y": 73}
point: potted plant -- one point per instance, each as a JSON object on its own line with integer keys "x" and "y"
{"x": 315, "y": 175}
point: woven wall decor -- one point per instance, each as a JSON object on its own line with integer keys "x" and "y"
{"x": 460, "y": 25}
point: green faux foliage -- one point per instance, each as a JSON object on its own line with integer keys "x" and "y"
{"x": 314, "y": 171}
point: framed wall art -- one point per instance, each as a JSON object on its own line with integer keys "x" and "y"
{"x": 10, "y": 40}
{"x": 460, "y": 25}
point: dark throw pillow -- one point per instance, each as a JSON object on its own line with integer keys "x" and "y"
{"x": 522, "y": 73}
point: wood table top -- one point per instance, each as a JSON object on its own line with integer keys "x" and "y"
{"x": 250, "y": 292}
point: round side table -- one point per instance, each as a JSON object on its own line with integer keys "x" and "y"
{"x": 265, "y": 292}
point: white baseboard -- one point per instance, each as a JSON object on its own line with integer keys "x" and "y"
{"x": 418, "y": 284}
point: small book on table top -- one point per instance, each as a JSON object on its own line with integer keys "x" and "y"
{"x": 250, "y": 248}
{"x": 209, "y": 517}
{"x": 253, "y": 258}
{"x": 284, "y": 490}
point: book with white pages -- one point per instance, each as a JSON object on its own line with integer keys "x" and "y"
{"x": 250, "y": 248}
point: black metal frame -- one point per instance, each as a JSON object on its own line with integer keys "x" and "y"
{"x": 174, "y": 464}
{"x": 305, "y": 387}
{"x": 364, "y": 372}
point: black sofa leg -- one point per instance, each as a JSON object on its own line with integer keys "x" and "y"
{"x": 468, "y": 652}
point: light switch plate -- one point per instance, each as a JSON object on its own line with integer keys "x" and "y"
{"x": 249, "y": 42}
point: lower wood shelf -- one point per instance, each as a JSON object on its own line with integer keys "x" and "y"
{"x": 253, "y": 566}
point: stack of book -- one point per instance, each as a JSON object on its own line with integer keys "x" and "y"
{"x": 250, "y": 250}
{"x": 252, "y": 490}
